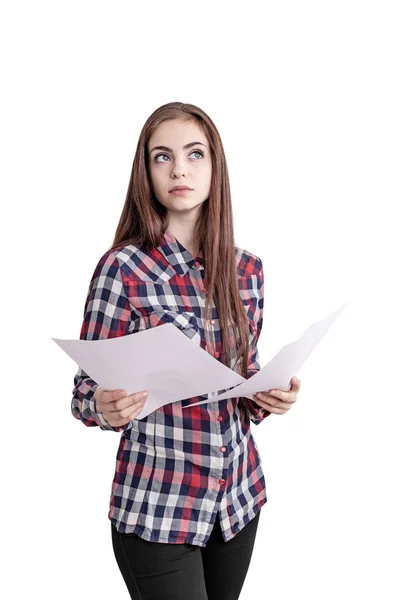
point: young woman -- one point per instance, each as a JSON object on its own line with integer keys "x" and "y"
{"x": 188, "y": 484}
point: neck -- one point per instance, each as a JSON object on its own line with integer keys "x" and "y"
{"x": 183, "y": 230}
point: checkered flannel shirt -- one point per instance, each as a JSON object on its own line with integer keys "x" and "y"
{"x": 176, "y": 470}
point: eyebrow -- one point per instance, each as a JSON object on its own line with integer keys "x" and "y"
{"x": 170, "y": 149}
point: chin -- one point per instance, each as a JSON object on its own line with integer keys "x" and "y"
{"x": 183, "y": 204}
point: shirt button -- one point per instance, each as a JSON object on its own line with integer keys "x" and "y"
{"x": 219, "y": 418}
{"x": 196, "y": 264}
{"x": 216, "y": 354}
{"x": 221, "y": 481}
{"x": 212, "y": 322}
{"x": 223, "y": 449}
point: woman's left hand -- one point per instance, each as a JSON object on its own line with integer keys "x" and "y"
{"x": 278, "y": 401}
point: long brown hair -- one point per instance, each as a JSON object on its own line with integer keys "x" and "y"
{"x": 144, "y": 220}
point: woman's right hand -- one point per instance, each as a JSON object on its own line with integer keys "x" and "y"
{"x": 119, "y": 409}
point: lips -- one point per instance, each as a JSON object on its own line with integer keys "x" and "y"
{"x": 180, "y": 187}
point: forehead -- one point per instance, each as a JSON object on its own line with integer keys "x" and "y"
{"x": 176, "y": 133}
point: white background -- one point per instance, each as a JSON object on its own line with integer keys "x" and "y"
{"x": 306, "y": 98}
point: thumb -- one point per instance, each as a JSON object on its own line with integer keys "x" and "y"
{"x": 295, "y": 382}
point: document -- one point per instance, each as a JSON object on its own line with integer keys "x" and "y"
{"x": 162, "y": 360}
{"x": 166, "y": 363}
{"x": 281, "y": 368}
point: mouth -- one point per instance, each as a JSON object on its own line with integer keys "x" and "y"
{"x": 180, "y": 188}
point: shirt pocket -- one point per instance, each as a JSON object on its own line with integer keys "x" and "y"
{"x": 182, "y": 319}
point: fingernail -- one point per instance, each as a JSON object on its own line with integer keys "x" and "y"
{"x": 143, "y": 395}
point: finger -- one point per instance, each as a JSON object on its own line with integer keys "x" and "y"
{"x": 284, "y": 396}
{"x": 268, "y": 401}
{"x": 130, "y": 400}
{"x": 277, "y": 394}
{"x": 276, "y": 410}
{"x": 279, "y": 404}
{"x": 295, "y": 381}
{"x": 112, "y": 395}
{"x": 135, "y": 413}
{"x": 129, "y": 410}
{"x": 118, "y": 422}
{"x": 262, "y": 396}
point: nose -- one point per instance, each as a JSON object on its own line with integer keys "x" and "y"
{"x": 178, "y": 169}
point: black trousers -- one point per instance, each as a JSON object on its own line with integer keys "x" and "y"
{"x": 162, "y": 571}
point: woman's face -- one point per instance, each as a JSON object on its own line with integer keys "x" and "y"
{"x": 176, "y": 165}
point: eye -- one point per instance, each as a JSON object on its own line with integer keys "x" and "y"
{"x": 158, "y": 155}
{"x": 193, "y": 152}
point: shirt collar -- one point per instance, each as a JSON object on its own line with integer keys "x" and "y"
{"x": 180, "y": 259}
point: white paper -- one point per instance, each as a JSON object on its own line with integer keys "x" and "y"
{"x": 284, "y": 365}
{"x": 166, "y": 363}
{"x": 161, "y": 360}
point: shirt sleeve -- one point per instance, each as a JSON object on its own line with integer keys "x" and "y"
{"x": 256, "y": 413}
{"x": 107, "y": 314}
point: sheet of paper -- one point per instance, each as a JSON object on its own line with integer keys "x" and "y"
{"x": 278, "y": 372}
{"x": 161, "y": 360}
{"x": 166, "y": 363}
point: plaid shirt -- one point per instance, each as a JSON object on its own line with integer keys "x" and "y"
{"x": 176, "y": 469}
